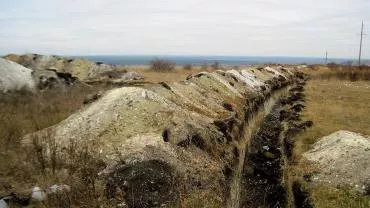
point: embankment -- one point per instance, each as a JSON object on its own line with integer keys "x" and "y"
{"x": 183, "y": 143}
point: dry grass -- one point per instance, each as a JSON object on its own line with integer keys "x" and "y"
{"x": 333, "y": 103}
{"x": 21, "y": 168}
{"x": 340, "y": 72}
{"x": 328, "y": 197}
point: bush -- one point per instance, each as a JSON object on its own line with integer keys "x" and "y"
{"x": 215, "y": 65}
{"x": 187, "y": 66}
{"x": 162, "y": 65}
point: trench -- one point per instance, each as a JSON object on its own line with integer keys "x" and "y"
{"x": 251, "y": 127}
{"x": 261, "y": 177}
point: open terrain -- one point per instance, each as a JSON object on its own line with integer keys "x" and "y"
{"x": 212, "y": 153}
{"x": 335, "y": 100}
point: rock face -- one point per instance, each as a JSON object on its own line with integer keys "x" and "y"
{"x": 80, "y": 68}
{"x": 15, "y": 77}
{"x": 344, "y": 160}
{"x": 170, "y": 138}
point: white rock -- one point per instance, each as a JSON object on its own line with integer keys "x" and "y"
{"x": 266, "y": 148}
{"x": 3, "y": 204}
{"x": 14, "y": 76}
{"x": 38, "y": 194}
{"x": 59, "y": 188}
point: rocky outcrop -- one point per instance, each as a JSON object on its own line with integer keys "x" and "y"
{"x": 77, "y": 67}
{"x": 169, "y": 139}
{"x": 15, "y": 77}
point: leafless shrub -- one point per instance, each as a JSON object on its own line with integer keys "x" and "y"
{"x": 345, "y": 73}
{"x": 187, "y": 67}
{"x": 215, "y": 65}
{"x": 162, "y": 65}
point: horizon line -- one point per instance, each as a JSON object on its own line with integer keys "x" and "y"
{"x": 194, "y": 55}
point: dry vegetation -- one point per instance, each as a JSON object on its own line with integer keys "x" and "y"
{"x": 21, "y": 169}
{"x": 337, "y": 99}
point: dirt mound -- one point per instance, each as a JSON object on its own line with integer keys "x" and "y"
{"x": 80, "y": 68}
{"x": 344, "y": 160}
{"x": 14, "y": 76}
{"x": 191, "y": 129}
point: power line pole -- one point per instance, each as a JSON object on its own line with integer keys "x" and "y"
{"x": 361, "y": 35}
{"x": 326, "y": 57}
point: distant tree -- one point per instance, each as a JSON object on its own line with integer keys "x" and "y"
{"x": 187, "y": 66}
{"x": 215, "y": 65}
{"x": 162, "y": 65}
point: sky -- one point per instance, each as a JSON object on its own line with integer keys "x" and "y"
{"x": 305, "y": 28}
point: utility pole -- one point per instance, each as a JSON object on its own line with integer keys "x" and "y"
{"x": 326, "y": 57}
{"x": 361, "y": 35}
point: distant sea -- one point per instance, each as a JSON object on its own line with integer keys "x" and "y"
{"x": 199, "y": 60}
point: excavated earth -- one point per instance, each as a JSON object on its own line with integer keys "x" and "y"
{"x": 343, "y": 158}
{"x": 47, "y": 64}
{"x": 172, "y": 140}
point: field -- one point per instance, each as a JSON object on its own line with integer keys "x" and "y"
{"x": 334, "y": 102}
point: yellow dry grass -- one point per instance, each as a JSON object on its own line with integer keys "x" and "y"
{"x": 335, "y": 105}
{"x": 332, "y": 105}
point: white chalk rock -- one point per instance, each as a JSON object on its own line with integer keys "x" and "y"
{"x": 38, "y": 194}
{"x": 14, "y": 76}
{"x": 59, "y": 188}
{"x": 3, "y": 204}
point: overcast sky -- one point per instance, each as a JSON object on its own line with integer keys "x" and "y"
{"x": 205, "y": 27}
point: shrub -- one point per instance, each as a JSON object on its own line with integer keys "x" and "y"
{"x": 162, "y": 65}
{"x": 215, "y": 65}
{"x": 187, "y": 66}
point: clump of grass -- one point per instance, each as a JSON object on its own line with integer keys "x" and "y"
{"x": 329, "y": 197}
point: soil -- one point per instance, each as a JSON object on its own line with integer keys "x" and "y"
{"x": 343, "y": 158}
{"x": 263, "y": 174}
{"x": 146, "y": 184}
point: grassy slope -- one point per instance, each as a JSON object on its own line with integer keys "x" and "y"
{"x": 334, "y": 105}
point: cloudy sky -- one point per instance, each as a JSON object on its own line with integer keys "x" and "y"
{"x": 205, "y": 27}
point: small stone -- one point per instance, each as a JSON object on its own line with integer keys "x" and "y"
{"x": 59, "y": 188}
{"x": 266, "y": 148}
{"x": 123, "y": 204}
{"x": 38, "y": 194}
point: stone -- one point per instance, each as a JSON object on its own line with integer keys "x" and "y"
{"x": 38, "y": 194}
